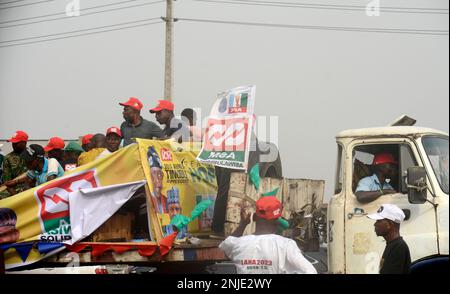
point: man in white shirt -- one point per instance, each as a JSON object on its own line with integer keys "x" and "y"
{"x": 264, "y": 252}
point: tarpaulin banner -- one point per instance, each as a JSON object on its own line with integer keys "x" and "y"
{"x": 42, "y": 214}
{"x": 177, "y": 183}
{"x": 228, "y": 134}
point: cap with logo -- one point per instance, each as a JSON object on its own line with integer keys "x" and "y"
{"x": 114, "y": 130}
{"x": 390, "y": 212}
{"x": 133, "y": 102}
{"x": 86, "y": 139}
{"x": 384, "y": 158}
{"x": 19, "y": 136}
{"x": 163, "y": 104}
{"x": 269, "y": 208}
{"x": 54, "y": 143}
{"x": 34, "y": 151}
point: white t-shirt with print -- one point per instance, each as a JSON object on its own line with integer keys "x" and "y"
{"x": 266, "y": 254}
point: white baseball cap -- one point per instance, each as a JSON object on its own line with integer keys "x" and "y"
{"x": 388, "y": 211}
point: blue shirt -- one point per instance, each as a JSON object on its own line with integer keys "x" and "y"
{"x": 51, "y": 168}
{"x": 372, "y": 183}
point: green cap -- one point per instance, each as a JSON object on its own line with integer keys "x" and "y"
{"x": 73, "y": 147}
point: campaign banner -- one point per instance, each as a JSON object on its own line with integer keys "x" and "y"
{"x": 39, "y": 222}
{"x": 228, "y": 134}
{"x": 42, "y": 215}
{"x": 177, "y": 183}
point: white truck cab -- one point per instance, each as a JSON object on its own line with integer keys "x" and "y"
{"x": 422, "y": 193}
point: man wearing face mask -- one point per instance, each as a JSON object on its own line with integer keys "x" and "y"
{"x": 372, "y": 187}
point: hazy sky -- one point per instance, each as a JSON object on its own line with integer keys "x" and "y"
{"x": 318, "y": 82}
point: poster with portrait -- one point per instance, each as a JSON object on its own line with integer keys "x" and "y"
{"x": 175, "y": 180}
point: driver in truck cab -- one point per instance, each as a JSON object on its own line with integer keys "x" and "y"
{"x": 372, "y": 187}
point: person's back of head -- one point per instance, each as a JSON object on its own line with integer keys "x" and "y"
{"x": 268, "y": 210}
{"x": 190, "y": 115}
{"x": 98, "y": 141}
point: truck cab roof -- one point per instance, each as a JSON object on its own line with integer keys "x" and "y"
{"x": 389, "y": 131}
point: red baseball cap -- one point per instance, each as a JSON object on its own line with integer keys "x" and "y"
{"x": 384, "y": 158}
{"x": 86, "y": 139}
{"x": 54, "y": 143}
{"x": 163, "y": 104}
{"x": 269, "y": 207}
{"x": 114, "y": 130}
{"x": 19, "y": 136}
{"x": 134, "y": 103}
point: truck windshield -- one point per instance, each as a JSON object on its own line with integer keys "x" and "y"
{"x": 437, "y": 152}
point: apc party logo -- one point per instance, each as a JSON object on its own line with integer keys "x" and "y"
{"x": 53, "y": 199}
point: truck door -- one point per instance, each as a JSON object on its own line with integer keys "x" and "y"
{"x": 436, "y": 150}
{"x": 363, "y": 248}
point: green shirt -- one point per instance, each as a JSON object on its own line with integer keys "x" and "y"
{"x": 13, "y": 166}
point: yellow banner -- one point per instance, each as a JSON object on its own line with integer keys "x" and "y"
{"x": 42, "y": 213}
{"x": 177, "y": 182}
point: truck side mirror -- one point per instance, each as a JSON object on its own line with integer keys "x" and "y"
{"x": 417, "y": 185}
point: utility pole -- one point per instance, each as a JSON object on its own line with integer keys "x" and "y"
{"x": 168, "y": 73}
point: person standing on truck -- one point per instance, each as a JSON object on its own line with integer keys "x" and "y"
{"x": 174, "y": 127}
{"x": 98, "y": 143}
{"x": 195, "y": 132}
{"x": 265, "y": 252}
{"x": 372, "y": 187}
{"x": 86, "y": 142}
{"x": 70, "y": 157}
{"x": 40, "y": 168}
{"x": 396, "y": 258}
{"x": 112, "y": 143}
{"x": 55, "y": 149}
{"x": 13, "y": 163}
{"x": 134, "y": 125}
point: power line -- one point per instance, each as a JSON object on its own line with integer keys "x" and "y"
{"x": 26, "y": 4}
{"x": 333, "y": 5}
{"x": 77, "y": 31}
{"x": 81, "y": 11}
{"x": 81, "y": 14}
{"x": 330, "y": 28}
{"x": 15, "y": 1}
{"x": 329, "y": 6}
{"x": 84, "y": 34}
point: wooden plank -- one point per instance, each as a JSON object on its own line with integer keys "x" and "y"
{"x": 237, "y": 183}
{"x": 295, "y": 194}
{"x": 301, "y": 194}
{"x": 206, "y": 254}
{"x": 116, "y": 227}
{"x": 269, "y": 184}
